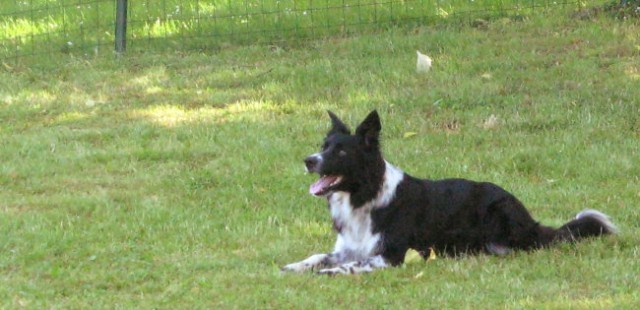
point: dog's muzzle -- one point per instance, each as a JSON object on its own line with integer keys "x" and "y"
{"x": 312, "y": 163}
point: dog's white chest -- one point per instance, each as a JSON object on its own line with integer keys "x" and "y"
{"x": 355, "y": 227}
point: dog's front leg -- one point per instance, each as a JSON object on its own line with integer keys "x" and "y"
{"x": 355, "y": 267}
{"x": 314, "y": 262}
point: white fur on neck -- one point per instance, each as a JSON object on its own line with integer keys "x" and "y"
{"x": 356, "y": 239}
{"x": 392, "y": 177}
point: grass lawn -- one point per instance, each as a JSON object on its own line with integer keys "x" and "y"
{"x": 175, "y": 180}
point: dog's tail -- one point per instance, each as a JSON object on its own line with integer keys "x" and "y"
{"x": 588, "y": 223}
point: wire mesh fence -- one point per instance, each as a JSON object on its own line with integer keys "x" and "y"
{"x": 85, "y": 27}
{"x": 43, "y": 27}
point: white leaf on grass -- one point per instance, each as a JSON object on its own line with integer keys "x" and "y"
{"x": 423, "y": 64}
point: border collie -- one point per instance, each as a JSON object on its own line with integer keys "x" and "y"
{"x": 379, "y": 212}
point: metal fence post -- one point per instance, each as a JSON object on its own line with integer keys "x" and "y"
{"x": 121, "y": 26}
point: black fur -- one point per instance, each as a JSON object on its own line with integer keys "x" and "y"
{"x": 452, "y": 216}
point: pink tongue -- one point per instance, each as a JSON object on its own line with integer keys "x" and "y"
{"x": 319, "y": 186}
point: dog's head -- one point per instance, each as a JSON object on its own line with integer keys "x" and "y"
{"x": 347, "y": 162}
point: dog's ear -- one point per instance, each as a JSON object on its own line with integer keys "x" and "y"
{"x": 370, "y": 128}
{"x": 337, "y": 126}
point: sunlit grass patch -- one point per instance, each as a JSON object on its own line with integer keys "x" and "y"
{"x": 164, "y": 115}
{"x": 633, "y": 72}
{"x": 70, "y": 117}
{"x": 23, "y": 29}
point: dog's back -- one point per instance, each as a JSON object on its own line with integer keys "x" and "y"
{"x": 457, "y": 216}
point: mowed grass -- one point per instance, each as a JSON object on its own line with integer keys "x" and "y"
{"x": 175, "y": 180}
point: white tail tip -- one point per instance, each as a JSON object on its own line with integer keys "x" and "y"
{"x": 600, "y": 217}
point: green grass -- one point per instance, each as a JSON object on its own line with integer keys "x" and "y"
{"x": 175, "y": 180}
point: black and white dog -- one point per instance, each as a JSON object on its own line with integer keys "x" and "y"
{"x": 379, "y": 212}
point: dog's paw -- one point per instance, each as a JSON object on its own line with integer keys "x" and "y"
{"x": 296, "y": 267}
{"x": 313, "y": 262}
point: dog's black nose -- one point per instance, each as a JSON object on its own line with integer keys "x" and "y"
{"x": 311, "y": 163}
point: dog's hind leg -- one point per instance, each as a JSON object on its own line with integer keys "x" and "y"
{"x": 497, "y": 249}
{"x": 508, "y": 226}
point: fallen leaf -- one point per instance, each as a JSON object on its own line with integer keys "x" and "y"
{"x": 423, "y": 64}
{"x": 409, "y": 134}
{"x": 432, "y": 254}
{"x": 412, "y": 256}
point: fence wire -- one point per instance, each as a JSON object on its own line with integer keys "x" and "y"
{"x": 86, "y": 27}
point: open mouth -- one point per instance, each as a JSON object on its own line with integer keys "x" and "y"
{"x": 324, "y": 184}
